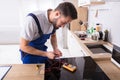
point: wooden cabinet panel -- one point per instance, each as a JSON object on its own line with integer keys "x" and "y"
{"x": 82, "y": 16}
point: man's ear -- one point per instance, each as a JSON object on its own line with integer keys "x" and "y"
{"x": 57, "y": 14}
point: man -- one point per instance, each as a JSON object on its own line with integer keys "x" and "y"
{"x": 39, "y": 27}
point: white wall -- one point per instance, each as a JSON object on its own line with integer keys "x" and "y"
{"x": 109, "y": 17}
{"x": 9, "y": 10}
{"x": 12, "y": 14}
{"x": 9, "y": 21}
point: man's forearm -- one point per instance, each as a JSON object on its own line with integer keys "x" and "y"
{"x": 34, "y": 51}
{"x": 31, "y": 50}
{"x": 57, "y": 52}
{"x": 54, "y": 41}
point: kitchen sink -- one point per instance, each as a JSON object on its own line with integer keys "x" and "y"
{"x": 98, "y": 48}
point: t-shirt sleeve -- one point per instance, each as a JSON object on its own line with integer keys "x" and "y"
{"x": 28, "y": 30}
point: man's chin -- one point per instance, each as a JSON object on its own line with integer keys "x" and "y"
{"x": 57, "y": 27}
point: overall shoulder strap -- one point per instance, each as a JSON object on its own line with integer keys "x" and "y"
{"x": 54, "y": 30}
{"x": 37, "y": 22}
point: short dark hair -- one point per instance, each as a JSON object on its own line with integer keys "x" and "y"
{"x": 67, "y": 9}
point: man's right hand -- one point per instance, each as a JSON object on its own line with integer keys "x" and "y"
{"x": 50, "y": 55}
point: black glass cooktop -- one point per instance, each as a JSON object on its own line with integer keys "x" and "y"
{"x": 87, "y": 69}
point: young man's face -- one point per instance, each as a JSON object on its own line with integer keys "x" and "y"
{"x": 60, "y": 20}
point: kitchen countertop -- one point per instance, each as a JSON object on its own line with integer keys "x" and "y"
{"x": 88, "y": 41}
{"x": 86, "y": 69}
{"x": 29, "y": 72}
{"x": 104, "y": 61}
{"x": 24, "y": 72}
{"x": 111, "y": 70}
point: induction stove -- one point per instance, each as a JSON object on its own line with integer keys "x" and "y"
{"x": 87, "y": 69}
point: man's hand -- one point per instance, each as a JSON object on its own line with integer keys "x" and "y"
{"x": 57, "y": 53}
{"x": 50, "y": 55}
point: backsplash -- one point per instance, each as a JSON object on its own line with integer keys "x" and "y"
{"x": 108, "y": 16}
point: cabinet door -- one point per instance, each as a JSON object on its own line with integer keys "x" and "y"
{"x": 82, "y": 16}
{"x": 73, "y": 46}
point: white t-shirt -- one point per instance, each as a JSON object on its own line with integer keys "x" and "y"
{"x": 30, "y": 29}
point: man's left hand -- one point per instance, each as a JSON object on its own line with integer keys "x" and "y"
{"x": 57, "y": 52}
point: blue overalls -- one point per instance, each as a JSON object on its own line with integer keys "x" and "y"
{"x": 38, "y": 43}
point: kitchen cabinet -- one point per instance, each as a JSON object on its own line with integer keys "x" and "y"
{"x": 73, "y": 46}
{"x": 90, "y": 2}
{"x": 25, "y": 72}
{"x": 82, "y": 16}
